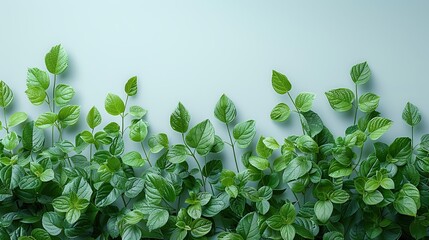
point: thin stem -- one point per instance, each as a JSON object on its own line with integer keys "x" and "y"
{"x": 297, "y": 199}
{"x": 196, "y": 160}
{"x": 360, "y": 158}
{"x": 356, "y": 104}
{"x": 123, "y": 117}
{"x": 299, "y": 113}
{"x": 53, "y": 106}
{"x": 412, "y": 136}
{"x": 90, "y": 147}
{"x": 145, "y": 153}
{"x": 5, "y": 120}
{"x": 123, "y": 200}
{"x": 233, "y": 147}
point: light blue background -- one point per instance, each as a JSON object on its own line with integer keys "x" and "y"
{"x": 193, "y": 51}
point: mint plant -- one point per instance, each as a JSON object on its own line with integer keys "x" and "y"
{"x": 117, "y": 180}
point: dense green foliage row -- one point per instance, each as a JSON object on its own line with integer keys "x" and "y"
{"x": 311, "y": 186}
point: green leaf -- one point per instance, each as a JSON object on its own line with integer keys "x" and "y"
{"x": 275, "y": 222}
{"x": 405, "y": 205}
{"x": 114, "y": 104}
{"x": 378, "y": 126}
{"x": 32, "y": 137}
{"x": 306, "y": 144}
{"x": 323, "y": 210}
{"x": 17, "y": 118}
{"x": 61, "y": 204}
{"x": 360, "y": 73}
{"x": 158, "y": 142}
{"x": 164, "y": 188}
{"x": 373, "y": 198}
{"x": 333, "y": 236}
{"x": 271, "y": 143}
{"x": 138, "y": 131}
{"x": 280, "y": 83}
{"x": 157, "y": 219}
{"x": 340, "y": 99}
{"x": 304, "y": 101}
{"x": 10, "y": 141}
{"x": 200, "y": 227}
{"x": 280, "y": 112}
{"x": 80, "y": 187}
{"x": 37, "y": 78}
{"x": 177, "y": 153}
{"x": 52, "y": 223}
{"x": 312, "y": 123}
{"x": 248, "y": 227}
{"x": 287, "y": 232}
{"x": 132, "y": 232}
{"x": 411, "y": 114}
{"x": 137, "y": 111}
{"x": 368, "y": 102}
{"x": 72, "y": 216}
{"x": 40, "y": 234}
{"x": 179, "y": 234}
{"x": 339, "y": 196}
{"x": 297, "y": 168}
{"x": 56, "y": 60}
{"x": 106, "y": 195}
{"x": 6, "y": 95}
{"x": 47, "y": 175}
{"x": 36, "y": 95}
{"x": 133, "y": 187}
{"x": 262, "y": 150}
{"x": 232, "y": 191}
{"x": 387, "y": 183}
{"x": 259, "y": 163}
{"x": 212, "y": 168}
{"x": 69, "y": 115}
{"x": 201, "y": 137}
{"x": 133, "y": 159}
{"x": 288, "y": 213}
{"x": 63, "y": 94}
{"x": 337, "y": 170}
{"x": 131, "y": 86}
{"x": 225, "y": 110}
{"x": 371, "y": 185}
{"x": 179, "y": 119}
{"x": 418, "y": 229}
{"x": 93, "y": 119}
{"x": 244, "y": 133}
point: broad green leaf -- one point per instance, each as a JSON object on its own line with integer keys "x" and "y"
{"x": 225, "y": 110}
{"x": 56, "y": 60}
{"x": 179, "y": 234}
{"x": 61, "y": 204}
{"x": 46, "y": 120}
{"x": 134, "y": 217}
{"x": 323, "y": 210}
{"x": 337, "y": 170}
{"x": 133, "y": 187}
{"x": 79, "y": 186}
{"x": 248, "y": 227}
{"x": 372, "y": 198}
{"x": 194, "y": 210}
{"x": 47, "y": 175}
{"x": 280, "y": 112}
{"x": 157, "y": 219}
{"x": 93, "y": 119}
{"x": 271, "y": 143}
{"x": 36, "y": 95}
{"x": 259, "y": 163}
{"x": 63, "y": 94}
{"x": 32, "y": 137}
{"x": 132, "y": 232}
{"x": 276, "y": 222}
{"x": 371, "y": 185}
{"x": 164, "y": 188}
{"x": 333, "y": 236}
{"x": 218, "y": 145}
{"x": 10, "y": 141}
{"x": 40, "y": 234}
{"x": 280, "y": 83}
{"x": 200, "y": 227}
{"x": 418, "y": 229}
{"x": 296, "y": 168}
{"x": 6, "y": 95}
{"x": 340, "y": 99}
{"x": 306, "y": 144}
{"x": 405, "y": 205}
{"x": 16, "y": 118}
{"x": 179, "y": 119}
{"x": 212, "y": 168}
{"x": 137, "y": 111}
{"x": 304, "y": 101}
{"x": 37, "y": 78}
{"x": 287, "y": 232}
{"x": 201, "y": 137}
{"x": 229, "y": 236}
{"x": 338, "y": 196}
{"x": 232, "y": 191}
{"x": 244, "y": 132}
{"x": 138, "y": 131}
{"x": 114, "y": 104}
{"x": 262, "y": 150}
{"x": 131, "y": 86}
{"x": 177, "y": 153}
{"x": 312, "y": 123}
{"x": 411, "y": 191}
{"x": 52, "y": 223}
{"x": 400, "y": 151}
{"x": 378, "y": 126}
{"x": 158, "y": 142}
{"x": 368, "y": 102}
{"x": 72, "y": 216}
{"x": 288, "y": 213}
{"x": 69, "y": 115}
{"x": 106, "y": 195}
{"x": 360, "y": 73}
{"x": 133, "y": 159}
{"x": 387, "y": 183}
{"x": 411, "y": 114}
{"x": 213, "y": 207}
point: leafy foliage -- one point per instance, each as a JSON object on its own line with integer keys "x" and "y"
{"x": 309, "y": 186}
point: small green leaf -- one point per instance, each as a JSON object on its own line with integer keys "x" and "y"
{"x": 371, "y": 185}
{"x": 360, "y": 73}
{"x": 72, "y": 216}
{"x": 114, "y": 104}
{"x": 46, "y": 120}
{"x": 32, "y": 137}
{"x": 158, "y": 142}
{"x": 378, "y": 126}
{"x": 63, "y": 94}
{"x": 275, "y": 222}
{"x": 262, "y": 150}
{"x": 280, "y": 83}
{"x": 387, "y": 183}
{"x": 232, "y": 191}
{"x": 225, "y": 110}
{"x": 10, "y": 141}
{"x": 133, "y": 159}
{"x": 200, "y": 227}
{"x": 37, "y": 78}
{"x": 271, "y": 143}
{"x": 323, "y": 210}
{"x": 69, "y": 115}
{"x": 304, "y": 101}
{"x": 368, "y": 102}
{"x": 157, "y": 219}
{"x": 177, "y": 153}
{"x": 47, "y": 175}
{"x": 280, "y": 112}
{"x": 52, "y": 223}
{"x": 411, "y": 114}
{"x": 288, "y": 213}
{"x": 201, "y": 137}
{"x": 340, "y": 99}
{"x": 179, "y": 119}
{"x": 93, "y": 119}
{"x": 244, "y": 133}
{"x": 405, "y": 205}
{"x": 61, "y": 204}
{"x": 248, "y": 227}
{"x": 306, "y": 144}
{"x": 17, "y": 118}
{"x": 56, "y": 60}
{"x": 373, "y": 198}
{"x": 6, "y": 95}
{"x": 338, "y": 196}
{"x": 131, "y": 86}
{"x": 287, "y": 232}
{"x": 259, "y": 163}
{"x": 296, "y": 168}
{"x": 138, "y": 131}
{"x": 36, "y": 95}
{"x": 137, "y": 111}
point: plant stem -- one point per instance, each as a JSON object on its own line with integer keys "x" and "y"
{"x": 360, "y": 158}
{"x": 233, "y": 147}
{"x": 299, "y": 112}
{"x": 297, "y": 199}
{"x": 412, "y": 136}
{"x": 123, "y": 117}
{"x": 53, "y": 106}
{"x": 356, "y": 104}
{"x": 145, "y": 153}
{"x": 196, "y": 160}
{"x": 5, "y": 120}
{"x": 123, "y": 200}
